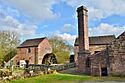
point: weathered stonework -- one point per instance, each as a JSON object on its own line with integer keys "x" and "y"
{"x": 117, "y": 52}
{"x": 107, "y": 52}
{"x": 83, "y": 28}
{"x": 82, "y": 57}
{"x": 99, "y": 61}
{"x": 96, "y": 44}
{"x": 83, "y": 39}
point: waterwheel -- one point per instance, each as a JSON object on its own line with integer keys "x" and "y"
{"x": 49, "y": 59}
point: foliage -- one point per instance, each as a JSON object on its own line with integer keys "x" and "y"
{"x": 1, "y": 56}
{"x": 5, "y": 72}
{"x": 10, "y": 55}
{"x": 9, "y": 40}
{"x": 60, "y": 48}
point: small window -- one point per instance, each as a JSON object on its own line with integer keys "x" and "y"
{"x": 29, "y": 50}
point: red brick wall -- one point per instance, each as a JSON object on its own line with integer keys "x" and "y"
{"x": 36, "y": 55}
{"x": 22, "y": 54}
{"x": 43, "y": 48}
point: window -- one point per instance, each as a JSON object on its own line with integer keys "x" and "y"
{"x": 29, "y": 50}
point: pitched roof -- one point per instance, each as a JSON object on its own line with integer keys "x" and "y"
{"x": 123, "y": 34}
{"x": 31, "y": 42}
{"x": 98, "y": 40}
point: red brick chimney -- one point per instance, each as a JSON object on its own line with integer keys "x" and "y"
{"x": 83, "y": 28}
{"x": 83, "y": 38}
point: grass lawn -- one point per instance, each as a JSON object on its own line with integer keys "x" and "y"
{"x": 64, "y": 78}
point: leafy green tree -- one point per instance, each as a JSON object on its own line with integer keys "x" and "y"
{"x": 60, "y": 48}
{"x": 10, "y": 55}
{"x": 1, "y": 56}
{"x": 9, "y": 40}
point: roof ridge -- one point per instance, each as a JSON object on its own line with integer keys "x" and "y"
{"x": 32, "y": 42}
{"x": 36, "y": 38}
{"x": 103, "y": 36}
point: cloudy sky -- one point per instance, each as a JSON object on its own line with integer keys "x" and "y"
{"x": 39, "y": 18}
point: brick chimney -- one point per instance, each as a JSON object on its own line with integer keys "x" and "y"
{"x": 83, "y": 38}
{"x": 83, "y": 28}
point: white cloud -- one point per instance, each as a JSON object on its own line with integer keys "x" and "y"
{"x": 39, "y": 10}
{"x": 67, "y": 28}
{"x": 106, "y": 29}
{"x": 74, "y": 3}
{"x": 68, "y": 37}
{"x": 99, "y": 9}
{"x": 7, "y": 22}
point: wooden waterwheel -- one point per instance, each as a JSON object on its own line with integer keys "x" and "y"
{"x": 49, "y": 59}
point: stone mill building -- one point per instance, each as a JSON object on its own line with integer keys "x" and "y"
{"x": 34, "y": 51}
{"x": 98, "y": 55}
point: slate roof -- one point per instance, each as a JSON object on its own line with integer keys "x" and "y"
{"x": 31, "y": 42}
{"x": 98, "y": 40}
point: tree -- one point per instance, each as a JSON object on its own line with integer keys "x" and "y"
{"x": 9, "y": 40}
{"x": 60, "y": 48}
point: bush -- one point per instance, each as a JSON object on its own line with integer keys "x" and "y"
{"x": 5, "y": 72}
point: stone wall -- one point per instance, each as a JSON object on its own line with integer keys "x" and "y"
{"x": 112, "y": 58}
{"x": 43, "y": 49}
{"x": 58, "y": 67}
{"x": 92, "y": 49}
{"x": 76, "y": 51}
{"x": 98, "y": 61}
{"x": 117, "y": 52}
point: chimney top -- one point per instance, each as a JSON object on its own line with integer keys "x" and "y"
{"x": 82, "y": 8}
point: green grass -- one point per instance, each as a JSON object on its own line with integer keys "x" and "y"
{"x": 64, "y": 78}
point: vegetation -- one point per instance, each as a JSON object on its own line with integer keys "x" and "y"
{"x": 5, "y": 72}
{"x": 60, "y": 48}
{"x": 9, "y": 40}
{"x": 64, "y": 78}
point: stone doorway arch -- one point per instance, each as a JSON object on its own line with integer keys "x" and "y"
{"x": 49, "y": 59}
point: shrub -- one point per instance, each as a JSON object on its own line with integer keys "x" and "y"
{"x": 5, "y": 72}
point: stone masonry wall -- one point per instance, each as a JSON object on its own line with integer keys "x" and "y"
{"x": 98, "y": 61}
{"x": 92, "y": 49}
{"x": 117, "y": 52}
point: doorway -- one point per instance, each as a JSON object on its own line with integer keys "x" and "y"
{"x": 104, "y": 71}
{"x": 27, "y": 63}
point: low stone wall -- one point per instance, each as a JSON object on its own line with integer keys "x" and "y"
{"x": 57, "y": 67}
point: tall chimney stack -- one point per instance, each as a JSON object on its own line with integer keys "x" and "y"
{"x": 83, "y": 28}
{"x": 83, "y": 38}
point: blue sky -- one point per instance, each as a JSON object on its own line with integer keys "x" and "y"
{"x": 39, "y": 18}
